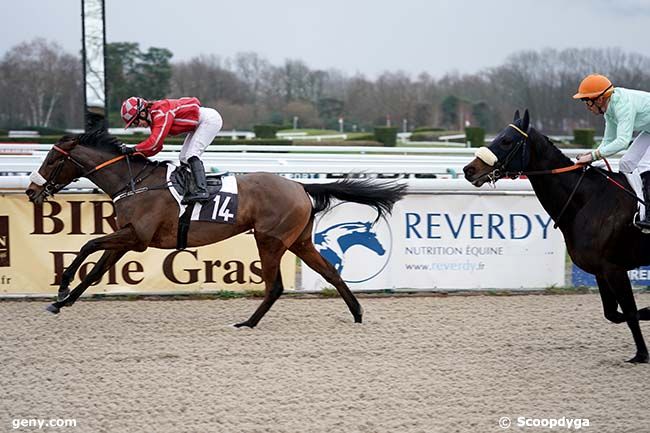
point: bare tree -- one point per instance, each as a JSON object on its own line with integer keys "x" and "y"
{"x": 397, "y": 95}
{"x": 252, "y": 69}
{"x": 360, "y": 101}
{"x": 40, "y": 78}
{"x": 544, "y": 81}
{"x": 206, "y": 78}
{"x": 41, "y": 85}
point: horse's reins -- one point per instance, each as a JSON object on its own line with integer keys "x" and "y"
{"x": 127, "y": 191}
{"x": 50, "y": 187}
{"x": 95, "y": 169}
{"x": 80, "y": 165}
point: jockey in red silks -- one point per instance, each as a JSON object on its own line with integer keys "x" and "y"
{"x": 175, "y": 116}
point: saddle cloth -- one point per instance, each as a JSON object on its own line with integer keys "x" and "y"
{"x": 221, "y": 207}
{"x": 637, "y": 185}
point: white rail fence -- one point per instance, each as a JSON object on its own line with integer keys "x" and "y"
{"x": 301, "y": 162}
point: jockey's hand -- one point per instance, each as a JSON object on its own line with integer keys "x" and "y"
{"x": 585, "y": 158}
{"x": 126, "y": 150}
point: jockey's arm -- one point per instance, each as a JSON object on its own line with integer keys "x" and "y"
{"x": 618, "y": 138}
{"x": 160, "y": 127}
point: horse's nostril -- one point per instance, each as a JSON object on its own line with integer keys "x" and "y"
{"x": 29, "y": 192}
{"x": 469, "y": 170}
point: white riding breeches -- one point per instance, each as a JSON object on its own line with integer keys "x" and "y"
{"x": 637, "y": 156}
{"x": 210, "y": 122}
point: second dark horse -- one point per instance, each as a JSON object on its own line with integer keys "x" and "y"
{"x": 596, "y": 224}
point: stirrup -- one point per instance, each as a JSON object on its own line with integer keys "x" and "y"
{"x": 639, "y": 224}
{"x": 195, "y": 198}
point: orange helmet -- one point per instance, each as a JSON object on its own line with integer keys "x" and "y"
{"x": 593, "y": 86}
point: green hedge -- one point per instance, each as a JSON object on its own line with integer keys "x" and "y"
{"x": 427, "y": 129}
{"x": 435, "y": 135}
{"x": 216, "y": 142}
{"x": 43, "y": 139}
{"x": 130, "y": 139}
{"x": 268, "y": 131}
{"x": 584, "y": 137}
{"x": 386, "y": 135}
{"x": 324, "y": 143}
{"x": 42, "y": 130}
{"x": 475, "y": 136}
{"x": 362, "y": 137}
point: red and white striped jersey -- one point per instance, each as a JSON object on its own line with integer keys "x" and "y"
{"x": 169, "y": 117}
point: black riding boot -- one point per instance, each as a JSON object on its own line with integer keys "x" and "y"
{"x": 645, "y": 224}
{"x": 200, "y": 193}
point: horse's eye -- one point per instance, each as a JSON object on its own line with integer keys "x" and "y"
{"x": 505, "y": 144}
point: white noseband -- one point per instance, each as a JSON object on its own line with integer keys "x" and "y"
{"x": 486, "y": 155}
{"x": 36, "y": 178}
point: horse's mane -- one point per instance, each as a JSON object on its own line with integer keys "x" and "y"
{"x": 100, "y": 139}
{"x": 555, "y": 151}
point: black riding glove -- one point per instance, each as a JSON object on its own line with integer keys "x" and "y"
{"x": 126, "y": 150}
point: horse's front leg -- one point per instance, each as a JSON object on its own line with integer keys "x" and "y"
{"x": 108, "y": 259}
{"x": 118, "y": 240}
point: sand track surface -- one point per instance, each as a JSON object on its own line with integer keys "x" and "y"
{"x": 417, "y": 364}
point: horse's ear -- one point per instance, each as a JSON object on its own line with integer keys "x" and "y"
{"x": 516, "y": 116}
{"x": 526, "y": 121}
{"x": 67, "y": 142}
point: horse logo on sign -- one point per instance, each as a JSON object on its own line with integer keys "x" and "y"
{"x": 358, "y": 250}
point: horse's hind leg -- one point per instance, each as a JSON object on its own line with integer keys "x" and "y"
{"x": 304, "y": 248}
{"x": 271, "y": 251}
{"x": 610, "y": 305}
{"x": 620, "y": 283}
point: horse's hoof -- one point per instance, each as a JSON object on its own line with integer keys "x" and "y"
{"x": 62, "y": 294}
{"x": 242, "y": 325}
{"x": 358, "y": 319}
{"x": 53, "y": 309}
{"x": 639, "y": 359}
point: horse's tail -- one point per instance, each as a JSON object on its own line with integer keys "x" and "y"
{"x": 380, "y": 195}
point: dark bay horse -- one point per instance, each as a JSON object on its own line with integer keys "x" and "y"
{"x": 278, "y": 210}
{"x": 597, "y": 221}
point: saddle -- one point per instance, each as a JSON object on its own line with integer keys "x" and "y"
{"x": 183, "y": 181}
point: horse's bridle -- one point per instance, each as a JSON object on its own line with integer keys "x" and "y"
{"x": 50, "y": 187}
{"x": 498, "y": 172}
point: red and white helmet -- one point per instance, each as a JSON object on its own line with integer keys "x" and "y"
{"x": 131, "y": 109}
